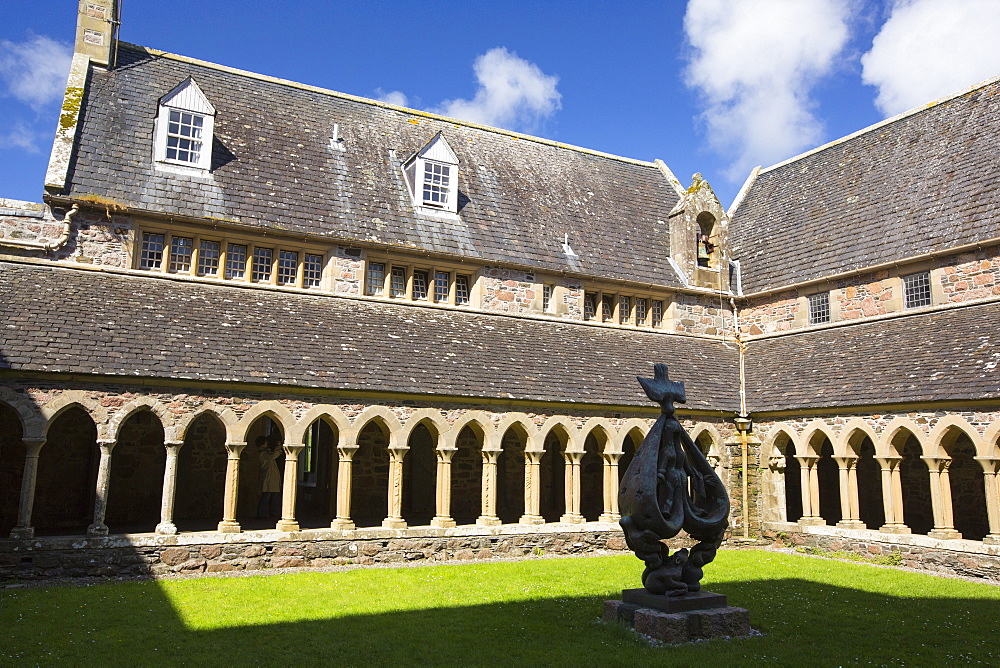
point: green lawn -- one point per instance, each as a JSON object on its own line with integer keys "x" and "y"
{"x": 813, "y": 612}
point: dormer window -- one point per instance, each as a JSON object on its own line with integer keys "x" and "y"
{"x": 432, "y": 176}
{"x": 184, "y": 129}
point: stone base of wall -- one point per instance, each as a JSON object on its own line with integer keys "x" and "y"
{"x": 968, "y": 558}
{"x": 210, "y": 552}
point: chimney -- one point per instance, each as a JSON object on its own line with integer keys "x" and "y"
{"x": 96, "y": 29}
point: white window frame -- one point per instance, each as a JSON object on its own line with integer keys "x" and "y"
{"x": 436, "y": 154}
{"x": 185, "y": 98}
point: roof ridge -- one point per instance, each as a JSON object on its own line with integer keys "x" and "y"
{"x": 885, "y": 122}
{"x": 379, "y": 103}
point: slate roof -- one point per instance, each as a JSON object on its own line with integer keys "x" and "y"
{"x": 922, "y": 182}
{"x": 69, "y": 320}
{"x": 949, "y": 354}
{"x": 274, "y": 167}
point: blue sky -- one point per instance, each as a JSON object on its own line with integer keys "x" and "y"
{"x": 710, "y": 86}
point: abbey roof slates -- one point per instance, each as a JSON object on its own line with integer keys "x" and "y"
{"x": 948, "y": 355}
{"x": 274, "y": 168}
{"x": 923, "y": 182}
{"x": 153, "y": 327}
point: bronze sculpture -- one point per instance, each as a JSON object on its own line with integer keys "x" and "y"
{"x": 670, "y": 486}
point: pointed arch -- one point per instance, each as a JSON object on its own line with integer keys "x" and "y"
{"x": 632, "y": 427}
{"x": 226, "y": 416}
{"x": 991, "y": 440}
{"x": 520, "y": 420}
{"x": 947, "y": 431}
{"x": 383, "y": 417}
{"x": 30, "y": 415}
{"x": 557, "y": 424}
{"x": 479, "y": 420}
{"x": 272, "y": 409}
{"x": 813, "y": 434}
{"x": 851, "y": 436}
{"x": 708, "y": 429}
{"x": 775, "y": 435}
{"x": 112, "y": 428}
{"x": 331, "y": 414}
{"x": 896, "y": 434}
{"x": 602, "y": 429}
{"x": 73, "y": 399}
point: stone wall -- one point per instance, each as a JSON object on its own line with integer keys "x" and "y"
{"x": 98, "y": 237}
{"x": 509, "y": 290}
{"x": 966, "y": 558}
{"x": 698, "y": 314}
{"x": 207, "y": 553}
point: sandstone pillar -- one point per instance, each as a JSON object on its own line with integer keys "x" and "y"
{"x": 991, "y": 481}
{"x": 489, "y": 503}
{"x": 32, "y": 449}
{"x": 611, "y": 512}
{"x": 345, "y": 469}
{"x": 572, "y": 476}
{"x": 810, "y": 491}
{"x": 892, "y": 495}
{"x": 231, "y": 494}
{"x": 290, "y": 488}
{"x": 442, "y": 517}
{"x": 849, "y": 510}
{"x": 166, "y": 525}
{"x": 944, "y": 523}
{"x": 532, "y": 488}
{"x": 395, "y": 519}
{"x": 98, "y": 527}
{"x": 776, "y": 465}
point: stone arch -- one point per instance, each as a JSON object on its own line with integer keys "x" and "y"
{"x": 272, "y": 409}
{"x": 632, "y": 436}
{"x": 469, "y": 438}
{"x": 377, "y": 430}
{"x": 319, "y": 431}
{"x": 226, "y": 417}
{"x": 422, "y": 435}
{"x": 114, "y": 424}
{"x": 596, "y": 441}
{"x": 555, "y": 439}
{"x": 138, "y": 462}
{"x": 28, "y": 413}
{"x": 69, "y": 400}
{"x": 991, "y": 440}
{"x": 707, "y": 431}
{"x": 813, "y": 435}
{"x": 958, "y": 441}
{"x": 331, "y": 414}
{"x": 513, "y": 435}
{"x": 12, "y": 456}
{"x": 779, "y": 436}
{"x": 899, "y": 428}
{"x": 851, "y": 436}
{"x": 904, "y": 439}
{"x": 510, "y": 419}
{"x": 630, "y": 428}
{"x": 781, "y": 479}
{"x": 67, "y": 471}
{"x": 818, "y": 442}
{"x": 201, "y": 469}
{"x": 950, "y": 428}
{"x": 858, "y": 440}
{"x": 431, "y": 418}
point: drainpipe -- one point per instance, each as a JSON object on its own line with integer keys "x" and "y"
{"x": 47, "y": 245}
{"x": 743, "y": 422}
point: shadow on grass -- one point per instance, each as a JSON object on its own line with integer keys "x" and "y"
{"x": 804, "y": 622}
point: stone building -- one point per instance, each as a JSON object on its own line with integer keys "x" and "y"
{"x": 439, "y": 325}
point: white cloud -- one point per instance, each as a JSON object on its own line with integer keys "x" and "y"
{"x": 513, "y": 93}
{"x": 35, "y": 70}
{"x": 929, "y": 48}
{"x": 754, "y": 62}
{"x": 22, "y": 136}
{"x": 392, "y": 97}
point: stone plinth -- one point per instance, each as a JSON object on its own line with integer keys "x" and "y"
{"x": 679, "y": 619}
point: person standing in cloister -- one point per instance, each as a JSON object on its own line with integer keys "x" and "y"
{"x": 270, "y": 478}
